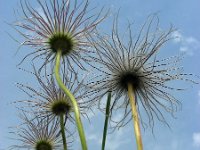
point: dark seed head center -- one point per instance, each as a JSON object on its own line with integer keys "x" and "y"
{"x": 61, "y": 107}
{"x": 43, "y": 145}
{"x": 129, "y": 78}
{"x": 63, "y": 42}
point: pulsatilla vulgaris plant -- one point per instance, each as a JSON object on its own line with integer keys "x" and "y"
{"x": 48, "y": 100}
{"x": 37, "y": 134}
{"x": 59, "y": 34}
{"x": 61, "y": 25}
{"x": 136, "y": 81}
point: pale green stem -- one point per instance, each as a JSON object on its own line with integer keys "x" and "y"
{"x": 135, "y": 117}
{"x": 63, "y": 131}
{"x": 72, "y": 99}
{"x": 106, "y": 120}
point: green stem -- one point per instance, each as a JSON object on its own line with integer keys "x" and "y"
{"x": 106, "y": 120}
{"x": 135, "y": 117}
{"x": 63, "y": 131}
{"x": 72, "y": 99}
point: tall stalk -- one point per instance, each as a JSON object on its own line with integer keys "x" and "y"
{"x": 72, "y": 99}
{"x": 106, "y": 121}
{"x": 63, "y": 131}
{"x": 135, "y": 117}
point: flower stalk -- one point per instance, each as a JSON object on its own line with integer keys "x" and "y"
{"x": 72, "y": 99}
{"x": 106, "y": 120}
{"x": 62, "y": 127}
{"x": 135, "y": 117}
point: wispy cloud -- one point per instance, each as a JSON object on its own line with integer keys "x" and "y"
{"x": 196, "y": 139}
{"x": 188, "y": 44}
{"x": 94, "y": 137}
{"x": 116, "y": 140}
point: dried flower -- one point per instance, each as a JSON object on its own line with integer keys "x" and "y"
{"x": 50, "y": 101}
{"x": 38, "y": 134}
{"x": 61, "y": 25}
{"x": 133, "y": 60}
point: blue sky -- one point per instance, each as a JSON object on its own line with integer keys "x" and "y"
{"x": 185, "y": 129}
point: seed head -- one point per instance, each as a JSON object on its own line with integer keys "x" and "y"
{"x": 50, "y": 101}
{"x": 60, "y": 25}
{"x": 37, "y": 134}
{"x": 132, "y": 59}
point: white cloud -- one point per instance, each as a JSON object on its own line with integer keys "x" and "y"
{"x": 94, "y": 137}
{"x": 116, "y": 140}
{"x": 196, "y": 139}
{"x": 177, "y": 37}
{"x": 188, "y": 44}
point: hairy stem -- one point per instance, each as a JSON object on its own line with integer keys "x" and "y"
{"x": 63, "y": 131}
{"x": 135, "y": 117}
{"x": 106, "y": 120}
{"x": 72, "y": 99}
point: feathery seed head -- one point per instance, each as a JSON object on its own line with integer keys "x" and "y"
{"x": 60, "y": 25}
{"x": 50, "y": 101}
{"x": 129, "y": 59}
{"x": 38, "y": 133}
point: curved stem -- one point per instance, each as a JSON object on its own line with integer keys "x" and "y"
{"x": 72, "y": 99}
{"x": 106, "y": 120}
{"x": 63, "y": 131}
{"x": 135, "y": 117}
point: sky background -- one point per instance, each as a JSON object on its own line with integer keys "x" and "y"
{"x": 185, "y": 129}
